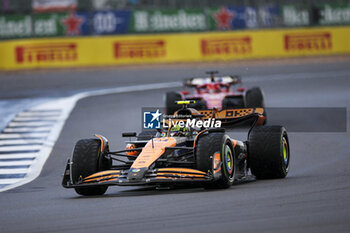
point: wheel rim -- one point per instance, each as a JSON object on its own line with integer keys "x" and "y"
{"x": 285, "y": 152}
{"x": 229, "y": 159}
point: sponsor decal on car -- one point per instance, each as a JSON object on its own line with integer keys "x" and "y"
{"x": 139, "y": 49}
{"x": 52, "y": 53}
{"x": 239, "y": 112}
{"x": 226, "y": 46}
{"x": 308, "y": 41}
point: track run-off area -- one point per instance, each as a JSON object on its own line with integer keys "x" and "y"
{"x": 50, "y": 110}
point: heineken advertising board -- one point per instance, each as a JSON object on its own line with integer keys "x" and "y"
{"x": 269, "y": 16}
{"x": 15, "y": 26}
{"x": 333, "y": 14}
{"x": 168, "y": 20}
{"x": 294, "y": 15}
{"x": 61, "y": 24}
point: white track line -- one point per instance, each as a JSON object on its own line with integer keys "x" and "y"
{"x": 37, "y": 118}
{"x": 65, "y": 105}
{"x": 11, "y": 181}
{"x": 19, "y": 148}
{"x": 13, "y": 171}
{"x": 19, "y": 136}
{"x": 38, "y": 114}
{"x": 18, "y": 156}
{"x": 13, "y": 163}
{"x": 21, "y": 142}
{"x": 26, "y": 124}
{"x": 26, "y": 129}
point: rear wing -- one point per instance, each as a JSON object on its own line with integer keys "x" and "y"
{"x": 231, "y": 80}
{"x": 231, "y": 116}
{"x": 227, "y": 116}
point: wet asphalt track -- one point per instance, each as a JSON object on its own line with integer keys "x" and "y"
{"x": 315, "y": 197}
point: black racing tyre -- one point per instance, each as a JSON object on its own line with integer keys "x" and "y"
{"x": 209, "y": 145}
{"x": 146, "y": 135}
{"x": 87, "y": 160}
{"x": 231, "y": 103}
{"x": 254, "y": 98}
{"x": 268, "y": 152}
{"x": 170, "y": 99}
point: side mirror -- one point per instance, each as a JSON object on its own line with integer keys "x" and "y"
{"x": 129, "y": 134}
{"x": 235, "y": 79}
{"x": 241, "y": 89}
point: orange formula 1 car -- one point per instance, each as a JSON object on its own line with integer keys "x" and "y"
{"x": 181, "y": 154}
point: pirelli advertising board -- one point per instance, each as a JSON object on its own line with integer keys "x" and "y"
{"x": 162, "y": 48}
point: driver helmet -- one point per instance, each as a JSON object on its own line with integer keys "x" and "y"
{"x": 176, "y": 130}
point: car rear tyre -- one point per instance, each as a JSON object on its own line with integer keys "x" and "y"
{"x": 254, "y": 98}
{"x": 87, "y": 160}
{"x": 199, "y": 105}
{"x": 170, "y": 99}
{"x": 208, "y": 146}
{"x": 268, "y": 152}
{"x": 231, "y": 103}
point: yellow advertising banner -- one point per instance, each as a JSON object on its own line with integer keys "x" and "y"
{"x": 163, "y": 48}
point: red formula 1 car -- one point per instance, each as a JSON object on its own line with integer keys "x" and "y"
{"x": 216, "y": 92}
